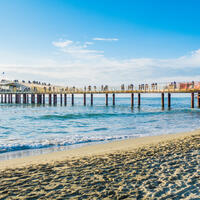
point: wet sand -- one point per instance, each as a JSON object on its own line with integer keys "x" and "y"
{"x": 156, "y": 167}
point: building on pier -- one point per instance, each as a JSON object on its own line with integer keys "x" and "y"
{"x": 13, "y": 86}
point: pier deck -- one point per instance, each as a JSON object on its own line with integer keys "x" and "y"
{"x": 38, "y": 91}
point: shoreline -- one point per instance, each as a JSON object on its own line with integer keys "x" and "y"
{"x": 154, "y": 167}
{"x": 93, "y": 150}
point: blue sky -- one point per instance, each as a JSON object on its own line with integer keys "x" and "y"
{"x": 80, "y": 42}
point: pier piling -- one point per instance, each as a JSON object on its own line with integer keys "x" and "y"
{"x": 132, "y": 99}
{"x": 1, "y": 98}
{"x": 61, "y": 99}
{"x": 65, "y": 99}
{"x": 5, "y": 98}
{"x": 72, "y": 99}
{"x": 16, "y": 96}
{"x": 91, "y": 99}
{"x": 106, "y": 99}
{"x": 169, "y": 100}
{"x": 50, "y": 99}
{"x": 39, "y": 99}
{"x": 8, "y": 98}
{"x": 19, "y": 98}
{"x": 192, "y": 100}
{"x": 198, "y": 99}
{"x": 27, "y": 98}
{"x": 113, "y": 99}
{"x": 163, "y": 100}
{"x": 139, "y": 99}
{"x": 54, "y": 99}
{"x": 32, "y": 98}
{"x": 84, "y": 99}
{"x": 43, "y": 99}
{"x": 24, "y": 98}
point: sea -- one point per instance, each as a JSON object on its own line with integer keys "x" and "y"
{"x": 34, "y": 129}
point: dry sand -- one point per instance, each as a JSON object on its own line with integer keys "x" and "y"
{"x": 157, "y": 167}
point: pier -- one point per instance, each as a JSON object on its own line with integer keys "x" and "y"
{"x": 21, "y": 92}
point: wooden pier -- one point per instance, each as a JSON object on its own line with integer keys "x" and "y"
{"x": 32, "y": 93}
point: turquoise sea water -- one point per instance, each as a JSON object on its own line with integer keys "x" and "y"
{"x": 36, "y": 129}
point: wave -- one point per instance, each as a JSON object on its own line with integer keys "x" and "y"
{"x": 19, "y": 147}
{"x": 78, "y": 116}
{"x": 108, "y": 115}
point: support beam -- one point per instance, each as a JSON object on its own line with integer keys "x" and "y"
{"x": 50, "y": 99}
{"x": 139, "y": 99}
{"x": 169, "y": 100}
{"x": 33, "y": 98}
{"x": 24, "y": 98}
{"x": 72, "y": 99}
{"x": 132, "y": 99}
{"x": 10, "y": 98}
{"x": 5, "y": 98}
{"x": 163, "y": 100}
{"x": 192, "y": 100}
{"x": 54, "y": 99}
{"x": 38, "y": 99}
{"x": 113, "y": 99}
{"x": 198, "y": 99}
{"x": 43, "y": 99}
{"x": 19, "y": 98}
{"x": 65, "y": 99}
{"x": 16, "y": 98}
{"x": 91, "y": 99}
{"x": 27, "y": 98}
{"x": 106, "y": 99}
{"x": 61, "y": 99}
{"x": 84, "y": 99}
{"x": 1, "y": 98}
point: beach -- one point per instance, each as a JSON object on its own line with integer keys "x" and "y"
{"x": 154, "y": 167}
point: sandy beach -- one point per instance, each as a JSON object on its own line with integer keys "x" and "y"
{"x": 156, "y": 167}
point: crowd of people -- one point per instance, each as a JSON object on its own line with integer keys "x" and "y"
{"x": 123, "y": 87}
{"x": 153, "y": 86}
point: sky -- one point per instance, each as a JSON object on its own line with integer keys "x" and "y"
{"x": 87, "y": 42}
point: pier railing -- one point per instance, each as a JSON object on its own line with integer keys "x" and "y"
{"x": 37, "y": 92}
{"x": 173, "y": 87}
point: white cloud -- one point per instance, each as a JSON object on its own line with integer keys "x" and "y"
{"x": 106, "y": 39}
{"x": 78, "y": 50}
{"x": 89, "y": 43}
{"x": 62, "y": 44}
